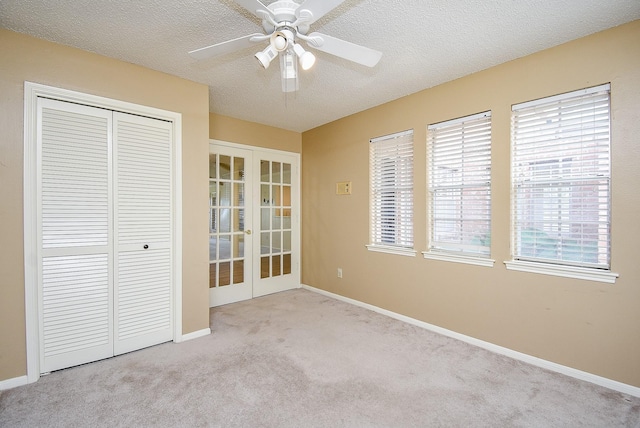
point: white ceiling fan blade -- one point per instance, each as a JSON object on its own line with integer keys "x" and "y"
{"x": 227, "y": 47}
{"x": 317, "y": 9}
{"x": 343, "y": 49}
{"x": 254, "y": 6}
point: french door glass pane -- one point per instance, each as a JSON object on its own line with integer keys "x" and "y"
{"x": 224, "y": 193}
{"x": 213, "y": 220}
{"x": 225, "y": 273}
{"x": 275, "y": 172}
{"x": 238, "y": 246}
{"x": 286, "y": 173}
{"x": 213, "y": 248}
{"x": 225, "y": 220}
{"x": 238, "y": 220}
{"x": 275, "y": 261}
{"x": 286, "y": 264}
{"x": 265, "y": 199}
{"x": 238, "y": 271}
{"x": 238, "y": 194}
{"x": 286, "y": 241}
{"x": 276, "y": 242}
{"x": 277, "y": 219}
{"x": 265, "y": 243}
{"x": 238, "y": 169}
{"x": 225, "y": 247}
{"x": 225, "y": 167}
{"x": 265, "y": 272}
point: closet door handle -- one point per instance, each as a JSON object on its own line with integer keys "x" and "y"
{"x": 146, "y": 246}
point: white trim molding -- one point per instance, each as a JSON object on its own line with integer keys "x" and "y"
{"x": 529, "y": 359}
{"x": 399, "y": 251}
{"x": 13, "y": 382}
{"x": 458, "y": 258}
{"x": 195, "y": 334}
{"x": 575, "y": 272}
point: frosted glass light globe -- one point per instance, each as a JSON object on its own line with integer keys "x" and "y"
{"x": 279, "y": 43}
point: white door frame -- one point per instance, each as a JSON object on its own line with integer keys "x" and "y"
{"x": 32, "y": 91}
{"x": 256, "y": 218}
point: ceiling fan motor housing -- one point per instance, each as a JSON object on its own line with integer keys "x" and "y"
{"x": 284, "y": 15}
{"x": 284, "y": 11}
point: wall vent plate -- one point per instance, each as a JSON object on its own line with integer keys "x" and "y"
{"x": 343, "y": 188}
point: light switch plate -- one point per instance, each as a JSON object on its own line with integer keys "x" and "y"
{"x": 343, "y": 188}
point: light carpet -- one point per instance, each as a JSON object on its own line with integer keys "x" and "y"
{"x": 300, "y": 359}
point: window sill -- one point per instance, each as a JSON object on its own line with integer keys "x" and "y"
{"x": 392, "y": 250}
{"x": 458, "y": 258}
{"x": 564, "y": 271}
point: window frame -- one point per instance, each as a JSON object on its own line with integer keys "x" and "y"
{"x": 551, "y": 178}
{"x": 384, "y": 152}
{"x": 466, "y": 180}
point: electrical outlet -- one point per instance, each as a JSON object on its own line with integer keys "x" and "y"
{"x": 339, "y": 272}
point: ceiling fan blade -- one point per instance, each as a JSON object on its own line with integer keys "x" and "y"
{"x": 254, "y": 6}
{"x": 226, "y": 47}
{"x": 343, "y": 49}
{"x": 318, "y": 9}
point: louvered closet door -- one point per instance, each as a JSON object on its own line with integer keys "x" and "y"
{"x": 143, "y": 268}
{"x": 75, "y": 292}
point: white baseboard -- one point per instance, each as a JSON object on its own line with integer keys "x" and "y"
{"x": 195, "y": 334}
{"x": 558, "y": 368}
{"x": 13, "y": 382}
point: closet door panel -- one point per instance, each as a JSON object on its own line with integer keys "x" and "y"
{"x": 144, "y": 298}
{"x": 76, "y": 310}
{"x": 75, "y": 292}
{"x": 142, "y": 159}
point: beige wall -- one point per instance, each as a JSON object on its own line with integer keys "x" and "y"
{"x": 590, "y": 326}
{"x": 25, "y": 58}
{"x": 238, "y": 131}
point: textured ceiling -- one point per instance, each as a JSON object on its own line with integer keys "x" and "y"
{"x": 424, "y": 43}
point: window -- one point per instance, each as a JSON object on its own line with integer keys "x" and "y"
{"x": 459, "y": 163}
{"x": 391, "y": 197}
{"x": 561, "y": 172}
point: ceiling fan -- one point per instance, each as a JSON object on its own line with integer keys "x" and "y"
{"x": 285, "y": 24}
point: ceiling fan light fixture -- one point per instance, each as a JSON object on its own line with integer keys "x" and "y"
{"x": 266, "y": 56}
{"x": 279, "y": 43}
{"x": 280, "y": 39}
{"x": 285, "y": 22}
{"x": 306, "y": 58}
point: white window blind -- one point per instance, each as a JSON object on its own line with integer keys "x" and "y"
{"x": 391, "y": 187}
{"x": 459, "y": 161}
{"x": 561, "y": 179}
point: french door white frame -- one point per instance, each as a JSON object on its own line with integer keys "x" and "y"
{"x": 256, "y": 210}
{"x": 33, "y": 91}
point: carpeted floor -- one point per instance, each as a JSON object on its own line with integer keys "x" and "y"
{"x": 299, "y": 359}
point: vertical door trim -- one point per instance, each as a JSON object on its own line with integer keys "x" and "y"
{"x": 33, "y": 91}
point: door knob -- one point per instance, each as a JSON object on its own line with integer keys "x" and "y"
{"x": 248, "y": 231}
{"x": 146, "y": 246}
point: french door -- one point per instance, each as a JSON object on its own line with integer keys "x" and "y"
{"x": 253, "y": 222}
